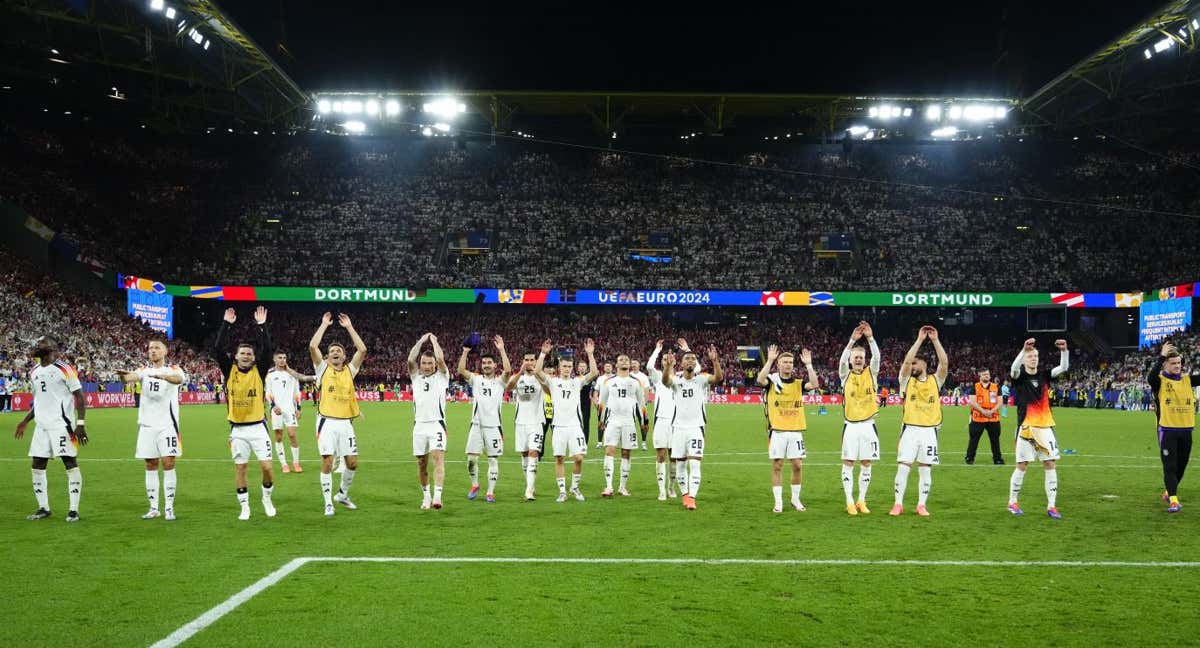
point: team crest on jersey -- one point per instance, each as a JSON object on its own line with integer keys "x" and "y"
{"x": 1034, "y": 383}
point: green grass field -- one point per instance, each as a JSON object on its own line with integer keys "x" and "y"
{"x": 116, "y": 580}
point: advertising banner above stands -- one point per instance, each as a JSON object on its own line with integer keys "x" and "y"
{"x": 594, "y": 297}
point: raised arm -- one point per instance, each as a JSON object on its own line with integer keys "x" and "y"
{"x": 415, "y": 353}
{"x": 438, "y": 355}
{"x": 218, "y": 349}
{"x": 651, "y": 368}
{"x": 1019, "y": 362}
{"x": 266, "y": 345}
{"x": 814, "y": 381}
{"x": 1154, "y": 378}
{"x": 876, "y": 359}
{"x": 541, "y": 362}
{"x": 1064, "y": 359}
{"x": 718, "y": 374}
{"x": 462, "y": 364}
{"x": 589, "y": 347}
{"x": 943, "y": 369}
{"x": 668, "y": 370}
{"x": 772, "y": 355}
{"x": 360, "y": 347}
{"x": 906, "y": 365}
{"x": 506, "y": 366}
{"x": 844, "y": 360}
{"x": 314, "y": 345}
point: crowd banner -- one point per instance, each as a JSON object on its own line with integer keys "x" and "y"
{"x": 637, "y": 297}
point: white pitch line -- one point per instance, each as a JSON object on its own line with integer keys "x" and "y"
{"x": 636, "y": 460}
{"x": 210, "y": 617}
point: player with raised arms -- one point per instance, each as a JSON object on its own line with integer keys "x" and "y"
{"x": 1035, "y": 422}
{"x": 568, "y": 437}
{"x": 430, "y": 380}
{"x": 689, "y": 389}
{"x": 337, "y": 408}
{"x": 58, "y": 426}
{"x": 860, "y": 404}
{"x": 487, "y": 394}
{"x": 922, "y": 416}
{"x": 528, "y": 391}
{"x": 158, "y": 439}
{"x": 784, "y": 400}
{"x": 664, "y": 411}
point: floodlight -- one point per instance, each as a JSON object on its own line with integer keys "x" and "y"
{"x": 446, "y": 108}
{"x": 873, "y": 111}
{"x": 956, "y": 112}
{"x": 393, "y": 107}
{"x": 869, "y": 135}
{"x": 206, "y": 44}
{"x": 1163, "y": 45}
{"x": 427, "y": 131}
{"x": 933, "y": 112}
{"x": 885, "y": 112}
{"x": 323, "y": 106}
{"x": 156, "y": 5}
{"x": 945, "y": 131}
{"x": 896, "y": 111}
{"x": 908, "y": 112}
{"x": 355, "y": 127}
{"x": 1000, "y": 112}
{"x": 372, "y": 107}
{"x": 1146, "y": 52}
{"x": 337, "y": 107}
{"x": 170, "y": 13}
{"x": 856, "y": 130}
{"x": 443, "y": 127}
{"x": 352, "y": 107}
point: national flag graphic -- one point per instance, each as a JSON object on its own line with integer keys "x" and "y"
{"x": 820, "y": 298}
{"x": 1071, "y": 300}
{"x": 771, "y": 298}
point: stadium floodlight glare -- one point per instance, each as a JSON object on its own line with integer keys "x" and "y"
{"x": 427, "y": 131}
{"x": 156, "y": 5}
{"x": 352, "y": 107}
{"x": 323, "y": 106}
{"x": 945, "y": 131}
{"x": 446, "y": 108}
{"x": 392, "y": 107}
{"x": 885, "y": 112}
{"x": 206, "y": 44}
{"x": 372, "y": 107}
{"x": 1147, "y": 53}
{"x": 355, "y": 127}
{"x": 908, "y": 112}
{"x": 856, "y": 130}
{"x": 873, "y": 111}
{"x": 869, "y": 135}
{"x": 1163, "y": 45}
{"x": 933, "y": 112}
{"x": 956, "y": 112}
{"x": 1000, "y": 112}
{"x": 1196, "y": 24}
{"x": 897, "y": 111}
{"x": 442, "y": 126}
{"x": 337, "y": 106}
{"x": 170, "y": 13}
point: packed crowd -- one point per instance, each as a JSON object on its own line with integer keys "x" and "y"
{"x": 371, "y": 211}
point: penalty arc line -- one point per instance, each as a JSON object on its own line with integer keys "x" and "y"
{"x": 190, "y": 629}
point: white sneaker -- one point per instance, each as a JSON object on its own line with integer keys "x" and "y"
{"x": 578, "y": 494}
{"x": 529, "y": 496}
{"x": 599, "y": 445}
{"x": 425, "y": 503}
{"x": 344, "y": 500}
{"x": 329, "y": 512}
{"x": 662, "y": 497}
{"x": 245, "y": 514}
{"x": 797, "y": 505}
{"x": 623, "y": 493}
{"x": 671, "y": 494}
{"x": 778, "y": 508}
{"x": 151, "y": 514}
{"x": 562, "y": 497}
{"x": 643, "y": 445}
{"x": 169, "y": 515}
{"x": 268, "y": 508}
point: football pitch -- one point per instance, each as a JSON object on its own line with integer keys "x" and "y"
{"x": 623, "y": 571}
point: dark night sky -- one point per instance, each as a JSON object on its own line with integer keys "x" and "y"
{"x": 970, "y": 46}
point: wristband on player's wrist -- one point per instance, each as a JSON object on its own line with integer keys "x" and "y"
{"x": 79, "y": 422}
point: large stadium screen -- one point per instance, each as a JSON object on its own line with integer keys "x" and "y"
{"x": 1046, "y": 319}
{"x": 1158, "y": 319}
{"x": 155, "y": 309}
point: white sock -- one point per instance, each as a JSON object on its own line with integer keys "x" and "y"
{"x": 901, "y": 481}
{"x": 681, "y": 476}
{"x": 795, "y": 492}
{"x": 243, "y": 496}
{"x": 864, "y": 481}
{"x": 347, "y": 479}
{"x": 473, "y": 471}
{"x": 295, "y": 454}
{"x": 327, "y": 487}
{"x": 660, "y": 470}
{"x": 1014, "y": 485}
{"x": 437, "y": 493}
{"x": 608, "y": 471}
{"x": 425, "y": 491}
{"x": 267, "y": 490}
{"x": 575, "y": 477}
{"x": 530, "y": 473}
{"x": 848, "y": 483}
{"x": 152, "y": 488}
{"x": 524, "y": 463}
{"x": 282, "y": 455}
{"x": 777, "y": 491}
{"x": 74, "y": 488}
{"x": 925, "y": 480}
{"x": 39, "y": 489}
{"x": 493, "y": 474}
{"x": 694, "y": 484}
{"x": 1051, "y": 487}
{"x": 169, "y": 481}
{"x": 624, "y": 472}
{"x": 562, "y": 484}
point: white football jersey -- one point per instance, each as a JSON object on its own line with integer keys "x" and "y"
{"x": 642, "y": 378}
{"x": 284, "y": 390}
{"x": 622, "y": 398}
{"x": 53, "y": 404}
{"x": 429, "y": 396}
{"x": 531, "y": 407}
{"x": 486, "y": 395}
{"x": 564, "y": 393}
{"x": 664, "y": 399}
{"x": 691, "y": 398}
{"x": 159, "y": 407}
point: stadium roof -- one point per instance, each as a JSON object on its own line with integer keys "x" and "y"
{"x": 181, "y": 59}
{"x": 1150, "y": 70}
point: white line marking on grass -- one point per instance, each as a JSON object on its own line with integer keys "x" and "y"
{"x": 210, "y": 617}
{"x": 201, "y": 622}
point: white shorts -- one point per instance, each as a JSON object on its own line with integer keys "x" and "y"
{"x": 786, "y": 445}
{"x": 247, "y": 438}
{"x": 918, "y": 445}
{"x": 662, "y": 434}
{"x": 569, "y": 441}
{"x": 156, "y": 443}
{"x": 335, "y": 437}
{"x": 49, "y": 442}
{"x": 280, "y": 421}
{"x": 860, "y": 441}
{"x": 1027, "y": 451}
{"x": 428, "y": 437}
{"x": 687, "y": 442}
{"x": 486, "y": 440}
{"x": 623, "y": 435}
{"x": 528, "y": 438}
